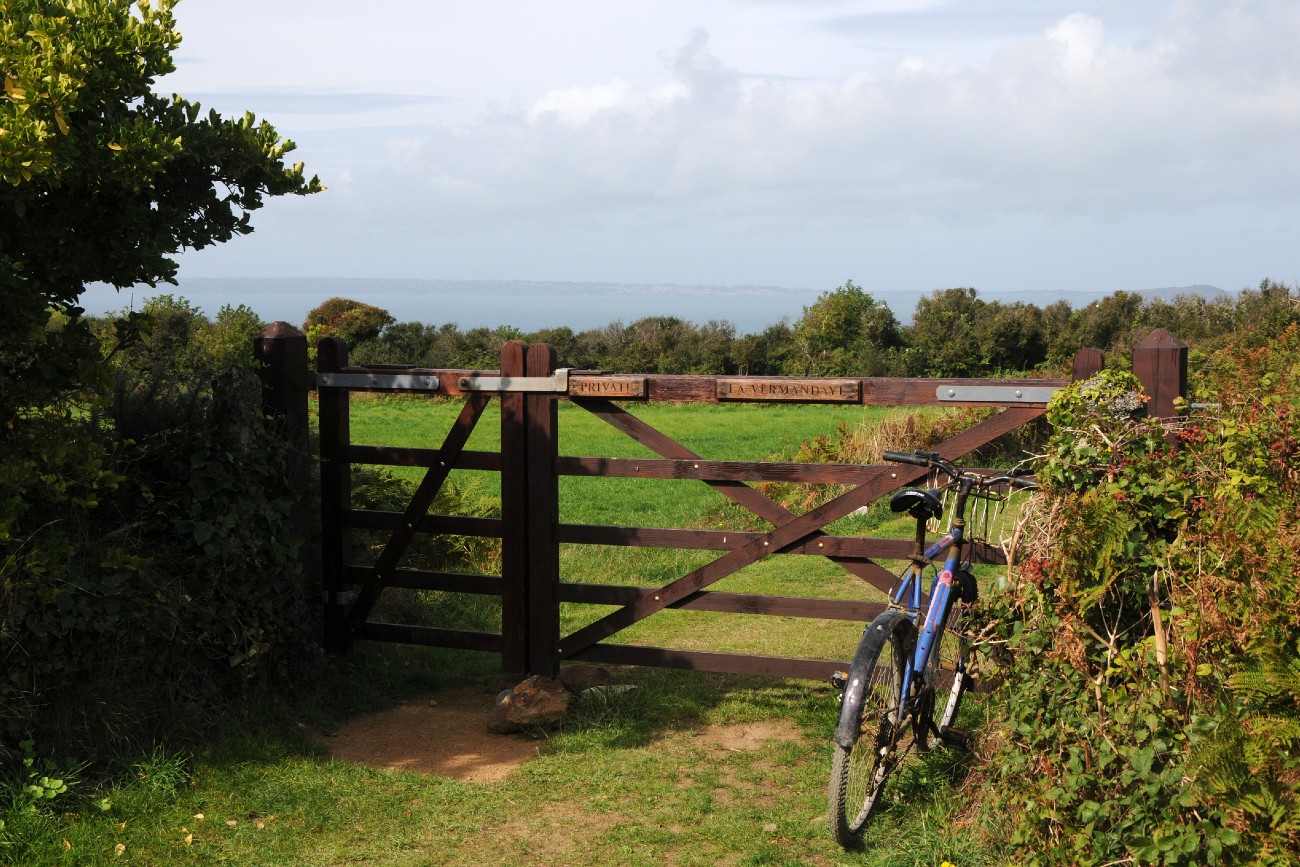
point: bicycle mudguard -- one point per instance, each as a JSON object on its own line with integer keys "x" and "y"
{"x": 873, "y": 639}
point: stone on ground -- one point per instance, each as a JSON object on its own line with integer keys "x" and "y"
{"x": 538, "y": 701}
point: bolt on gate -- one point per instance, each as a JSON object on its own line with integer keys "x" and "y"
{"x": 528, "y": 388}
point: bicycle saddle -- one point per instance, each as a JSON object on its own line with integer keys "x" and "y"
{"x": 921, "y": 505}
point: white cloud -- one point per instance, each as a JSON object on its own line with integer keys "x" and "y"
{"x": 575, "y": 106}
{"x": 738, "y": 140}
{"x": 1081, "y": 39}
{"x": 1064, "y": 124}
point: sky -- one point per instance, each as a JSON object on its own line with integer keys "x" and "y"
{"x": 908, "y": 145}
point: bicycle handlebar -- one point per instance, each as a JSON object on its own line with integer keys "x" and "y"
{"x": 920, "y": 458}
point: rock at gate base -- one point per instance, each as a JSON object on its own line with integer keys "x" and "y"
{"x": 538, "y": 701}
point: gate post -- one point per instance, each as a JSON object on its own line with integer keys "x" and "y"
{"x": 514, "y": 516}
{"x": 335, "y": 495}
{"x": 1087, "y": 363}
{"x": 542, "y": 414}
{"x": 281, "y": 351}
{"x": 1160, "y": 364}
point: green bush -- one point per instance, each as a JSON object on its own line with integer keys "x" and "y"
{"x": 102, "y": 178}
{"x": 354, "y": 321}
{"x": 1150, "y": 700}
{"x": 379, "y": 489}
{"x": 143, "y": 611}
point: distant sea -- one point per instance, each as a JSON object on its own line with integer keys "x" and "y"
{"x": 530, "y": 305}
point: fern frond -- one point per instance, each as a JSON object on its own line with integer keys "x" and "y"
{"x": 1275, "y": 729}
{"x": 1275, "y": 676}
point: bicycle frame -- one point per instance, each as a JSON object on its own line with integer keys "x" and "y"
{"x": 909, "y": 588}
{"x": 887, "y": 708}
{"x": 905, "y": 604}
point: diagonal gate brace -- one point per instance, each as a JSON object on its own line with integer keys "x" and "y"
{"x": 788, "y": 533}
{"x": 738, "y": 492}
{"x": 416, "y": 510}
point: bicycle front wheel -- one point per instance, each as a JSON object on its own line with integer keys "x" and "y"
{"x": 882, "y": 736}
{"x": 948, "y": 678}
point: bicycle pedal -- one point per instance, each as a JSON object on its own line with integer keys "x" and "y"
{"x": 839, "y": 678}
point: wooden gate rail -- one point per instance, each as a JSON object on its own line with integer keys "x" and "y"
{"x": 789, "y": 530}
{"x": 368, "y": 594}
{"x": 529, "y": 388}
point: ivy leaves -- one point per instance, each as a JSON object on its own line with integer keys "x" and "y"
{"x": 1148, "y": 635}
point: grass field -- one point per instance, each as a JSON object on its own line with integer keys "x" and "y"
{"x": 719, "y": 432}
{"x": 637, "y": 777}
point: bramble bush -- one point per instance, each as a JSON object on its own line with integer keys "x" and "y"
{"x": 863, "y": 444}
{"x": 1150, "y": 692}
{"x": 142, "y": 613}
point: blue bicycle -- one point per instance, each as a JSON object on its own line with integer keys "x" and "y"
{"x": 906, "y": 682}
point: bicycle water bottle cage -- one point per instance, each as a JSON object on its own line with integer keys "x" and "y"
{"x": 921, "y": 505}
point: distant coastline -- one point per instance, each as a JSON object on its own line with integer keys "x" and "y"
{"x": 533, "y": 305}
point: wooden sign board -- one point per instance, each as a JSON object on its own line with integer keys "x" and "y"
{"x": 607, "y": 386}
{"x": 825, "y": 390}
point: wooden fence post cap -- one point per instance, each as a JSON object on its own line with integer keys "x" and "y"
{"x": 331, "y": 353}
{"x": 1160, "y": 364}
{"x": 279, "y": 330}
{"x": 1159, "y": 338}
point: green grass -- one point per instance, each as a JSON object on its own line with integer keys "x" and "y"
{"x": 629, "y": 779}
{"x": 635, "y": 778}
{"x": 713, "y": 431}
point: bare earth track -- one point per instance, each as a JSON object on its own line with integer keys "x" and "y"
{"x": 447, "y": 736}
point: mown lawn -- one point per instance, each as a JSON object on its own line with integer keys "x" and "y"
{"x": 635, "y": 777}
{"x": 641, "y": 777}
{"x": 719, "y": 432}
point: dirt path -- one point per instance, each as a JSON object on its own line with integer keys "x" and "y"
{"x": 448, "y": 736}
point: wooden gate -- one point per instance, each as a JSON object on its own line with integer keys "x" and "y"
{"x": 528, "y": 388}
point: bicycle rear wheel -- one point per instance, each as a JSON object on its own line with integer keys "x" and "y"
{"x": 881, "y": 737}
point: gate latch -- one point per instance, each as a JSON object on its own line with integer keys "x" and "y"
{"x": 341, "y": 597}
{"x": 556, "y": 383}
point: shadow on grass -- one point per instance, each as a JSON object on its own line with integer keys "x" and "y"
{"x": 262, "y": 766}
{"x": 645, "y": 705}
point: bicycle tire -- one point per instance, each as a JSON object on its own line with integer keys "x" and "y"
{"x": 879, "y": 738}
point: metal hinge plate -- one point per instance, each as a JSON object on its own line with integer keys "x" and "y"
{"x": 557, "y": 383}
{"x": 386, "y": 381}
{"x": 1005, "y": 394}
